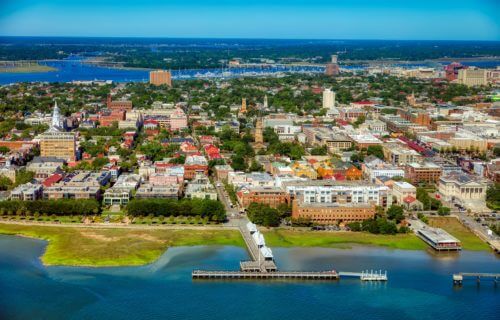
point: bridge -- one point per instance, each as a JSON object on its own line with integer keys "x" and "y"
{"x": 458, "y": 278}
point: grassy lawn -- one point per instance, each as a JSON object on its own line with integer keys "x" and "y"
{"x": 115, "y": 247}
{"x": 296, "y": 238}
{"x": 469, "y": 240}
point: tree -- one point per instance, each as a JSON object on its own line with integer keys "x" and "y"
{"x": 377, "y": 151}
{"x": 255, "y": 166}
{"x": 23, "y": 176}
{"x": 5, "y": 183}
{"x": 238, "y": 163}
{"x": 395, "y": 213}
{"x": 357, "y": 157}
{"x": 444, "y": 211}
{"x": 263, "y": 215}
{"x": 319, "y": 151}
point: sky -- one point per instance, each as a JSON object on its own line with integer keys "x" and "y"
{"x": 283, "y": 19}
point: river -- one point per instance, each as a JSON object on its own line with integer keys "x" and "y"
{"x": 74, "y": 69}
{"x": 419, "y": 286}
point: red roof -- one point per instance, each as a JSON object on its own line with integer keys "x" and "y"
{"x": 365, "y": 102}
{"x": 409, "y": 199}
{"x": 339, "y": 176}
{"x": 52, "y": 179}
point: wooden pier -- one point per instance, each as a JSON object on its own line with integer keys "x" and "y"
{"x": 262, "y": 265}
{"x": 458, "y": 278}
{"x": 284, "y": 275}
{"x": 259, "y": 261}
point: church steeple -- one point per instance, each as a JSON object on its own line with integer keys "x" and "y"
{"x": 56, "y": 118}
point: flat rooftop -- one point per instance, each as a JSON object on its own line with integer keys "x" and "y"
{"x": 438, "y": 235}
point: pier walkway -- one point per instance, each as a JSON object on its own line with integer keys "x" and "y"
{"x": 262, "y": 265}
{"x": 299, "y": 275}
{"x": 259, "y": 261}
{"x": 458, "y": 278}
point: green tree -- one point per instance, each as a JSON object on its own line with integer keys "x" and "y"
{"x": 395, "y": 213}
{"x": 263, "y": 215}
{"x": 443, "y": 211}
{"x": 376, "y": 151}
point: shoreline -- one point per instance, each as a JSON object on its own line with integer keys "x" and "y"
{"x": 134, "y": 245}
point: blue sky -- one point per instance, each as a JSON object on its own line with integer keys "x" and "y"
{"x": 305, "y": 19}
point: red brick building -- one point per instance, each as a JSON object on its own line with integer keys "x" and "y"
{"x": 332, "y": 213}
{"x": 270, "y": 196}
{"x": 427, "y": 172}
{"x": 107, "y": 118}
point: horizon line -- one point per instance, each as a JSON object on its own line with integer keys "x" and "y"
{"x": 240, "y": 38}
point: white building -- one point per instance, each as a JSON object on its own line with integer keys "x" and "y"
{"x": 401, "y": 190}
{"x": 328, "y": 99}
{"x": 467, "y": 190}
{"x": 322, "y": 191}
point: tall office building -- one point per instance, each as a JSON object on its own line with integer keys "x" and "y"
{"x": 160, "y": 77}
{"x": 334, "y": 58}
{"x": 58, "y": 143}
{"x": 328, "y": 99}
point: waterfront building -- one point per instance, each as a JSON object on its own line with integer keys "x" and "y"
{"x": 330, "y": 191}
{"x": 57, "y": 143}
{"x": 121, "y": 192}
{"x": 61, "y": 190}
{"x": 160, "y": 77}
{"x": 270, "y": 196}
{"x": 439, "y": 239}
{"x": 150, "y": 191}
{"x": 332, "y": 213}
{"x": 27, "y": 192}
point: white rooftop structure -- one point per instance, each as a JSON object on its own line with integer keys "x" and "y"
{"x": 259, "y": 239}
{"x": 251, "y": 227}
{"x": 267, "y": 253}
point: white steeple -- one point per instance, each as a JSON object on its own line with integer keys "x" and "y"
{"x": 56, "y": 118}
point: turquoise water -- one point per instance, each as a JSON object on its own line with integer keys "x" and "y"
{"x": 419, "y": 286}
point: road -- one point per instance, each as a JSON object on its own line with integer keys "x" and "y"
{"x": 233, "y": 216}
{"x": 470, "y": 222}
